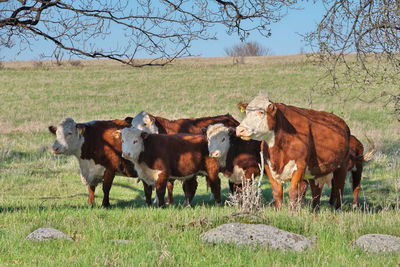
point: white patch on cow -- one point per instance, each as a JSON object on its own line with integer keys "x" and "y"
{"x": 255, "y": 124}
{"x": 143, "y": 122}
{"x": 91, "y": 173}
{"x": 147, "y": 174}
{"x": 218, "y": 141}
{"x": 237, "y": 175}
{"x": 286, "y": 174}
{"x": 354, "y": 169}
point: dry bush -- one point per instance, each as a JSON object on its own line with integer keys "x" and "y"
{"x": 75, "y": 63}
{"x": 248, "y": 49}
{"x": 249, "y": 199}
{"x": 38, "y": 64}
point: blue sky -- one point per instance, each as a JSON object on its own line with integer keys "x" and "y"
{"x": 285, "y": 39}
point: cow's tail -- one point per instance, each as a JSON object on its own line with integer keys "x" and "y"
{"x": 371, "y": 151}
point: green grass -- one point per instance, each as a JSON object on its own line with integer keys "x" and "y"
{"x": 39, "y": 189}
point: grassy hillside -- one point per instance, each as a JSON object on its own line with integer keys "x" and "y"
{"x": 39, "y": 189}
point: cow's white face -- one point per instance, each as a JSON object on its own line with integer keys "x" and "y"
{"x": 144, "y": 122}
{"x": 255, "y": 124}
{"x": 132, "y": 143}
{"x": 69, "y": 137}
{"x": 218, "y": 142}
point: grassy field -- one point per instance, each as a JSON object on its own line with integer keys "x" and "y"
{"x": 39, "y": 189}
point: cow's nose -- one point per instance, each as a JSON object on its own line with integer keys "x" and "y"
{"x": 214, "y": 154}
{"x": 240, "y": 131}
{"x": 126, "y": 155}
{"x": 55, "y": 150}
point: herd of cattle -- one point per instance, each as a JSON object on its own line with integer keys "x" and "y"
{"x": 300, "y": 146}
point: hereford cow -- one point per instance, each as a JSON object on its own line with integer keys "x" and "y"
{"x": 237, "y": 158}
{"x": 158, "y": 157}
{"x": 154, "y": 124}
{"x": 296, "y": 141}
{"x": 355, "y": 166}
{"x": 97, "y": 150}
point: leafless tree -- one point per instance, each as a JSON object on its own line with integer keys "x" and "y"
{"x": 358, "y": 42}
{"x": 162, "y": 29}
{"x": 246, "y": 49}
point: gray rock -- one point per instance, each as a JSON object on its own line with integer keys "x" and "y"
{"x": 45, "y": 234}
{"x": 256, "y": 234}
{"x": 378, "y": 243}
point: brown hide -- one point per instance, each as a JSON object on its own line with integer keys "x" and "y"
{"x": 316, "y": 140}
{"x": 104, "y": 148}
{"x": 245, "y": 155}
{"x": 189, "y": 125}
{"x": 179, "y": 155}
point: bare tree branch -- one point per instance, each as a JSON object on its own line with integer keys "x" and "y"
{"x": 162, "y": 30}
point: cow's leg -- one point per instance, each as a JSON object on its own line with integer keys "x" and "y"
{"x": 356, "y": 177}
{"x": 189, "y": 188}
{"x": 316, "y": 191}
{"x": 303, "y": 190}
{"x": 277, "y": 188}
{"x": 108, "y": 179}
{"x": 339, "y": 177}
{"x": 148, "y": 190}
{"x": 170, "y": 188}
{"x": 232, "y": 187}
{"x": 294, "y": 187}
{"x": 161, "y": 186}
{"x": 213, "y": 180}
{"x": 91, "y": 189}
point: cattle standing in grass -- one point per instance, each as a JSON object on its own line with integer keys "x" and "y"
{"x": 154, "y": 124}
{"x": 97, "y": 150}
{"x": 158, "y": 157}
{"x": 355, "y": 166}
{"x": 296, "y": 141}
{"x": 237, "y": 158}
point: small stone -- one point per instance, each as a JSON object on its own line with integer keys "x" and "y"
{"x": 379, "y": 243}
{"x": 256, "y": 234}
{"x": 46, "y": 234}
{"x": 121, "y": 241}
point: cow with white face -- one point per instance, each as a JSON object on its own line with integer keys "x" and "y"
{"x": 159, "y": 157}
{"x": 237, "y": 158}
{"x": 144, "y": 122}
{"x": 296, "y": 140}
{"x": 69, "y": 138}
{"x": 97, "y": 150}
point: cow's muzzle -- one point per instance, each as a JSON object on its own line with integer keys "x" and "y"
{"x": 215, "y": 154}
{"x": 242, "y": 133}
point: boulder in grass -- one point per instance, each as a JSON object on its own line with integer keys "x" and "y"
{"x": 257, "y": 234}
{"x": 46, "y": 234}
{"x": 379, "y": 243}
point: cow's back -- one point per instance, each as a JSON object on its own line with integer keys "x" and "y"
{"x": 192, "y": 125}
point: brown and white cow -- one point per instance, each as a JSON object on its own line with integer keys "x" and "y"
{"x": 158, "y": 157}
{"x": 296, "y": 141}
{"x": 97, "y": 150}
{"x": 237, "y": 158}
{"x": 155, "y": 124}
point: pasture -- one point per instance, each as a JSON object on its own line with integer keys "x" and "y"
{"x": 39, "y": 189}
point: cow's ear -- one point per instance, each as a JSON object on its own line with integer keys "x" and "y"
{"x": 231, "y": 131}
{"x": 144, "y": 135}
{"x": 117, "y": 134}
{"x": 128, "y": 120}
{"x": 53, "y": 129}
{"x": 271, "y": 109}
{"x": 81, "y": 128}
{"x": 203, "y": 130}
{"x": 242, "y": 106}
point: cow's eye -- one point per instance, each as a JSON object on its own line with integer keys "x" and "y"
{"x": 144, "y": 124}
{"x": 69, "y": 133}
{"x": 223, "y": 139}
{"x": 261, "y": 113}
{"x": 134, "y": 142}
